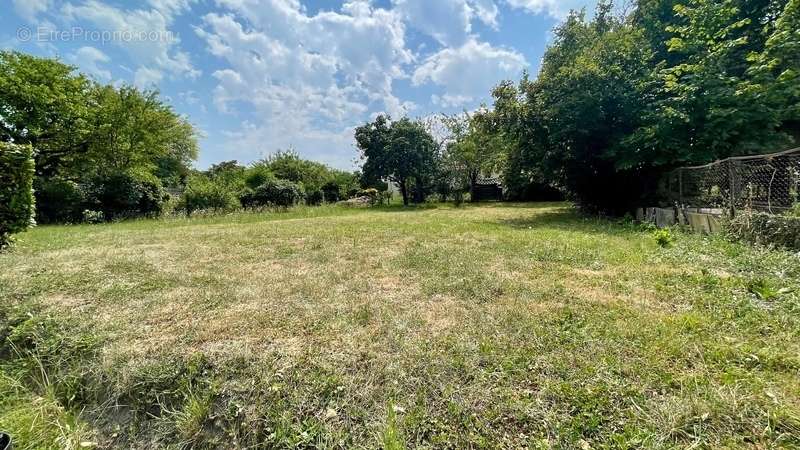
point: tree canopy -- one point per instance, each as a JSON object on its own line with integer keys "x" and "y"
{"x": 403, "y": 152}
{"x": 86, "y": 135}
{"x": 621, "y": 99}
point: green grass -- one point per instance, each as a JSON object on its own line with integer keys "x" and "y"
{"x": 503, "y": 325}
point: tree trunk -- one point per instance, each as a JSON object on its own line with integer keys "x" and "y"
{"x": 404, "y": 191}
{"x": 473, "y": 182}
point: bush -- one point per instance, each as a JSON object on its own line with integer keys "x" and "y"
{"x": 125, "y": 195}
{"x": 202, "y": 193}
{"x": 275, "y": 192}
{"x": 663, "y": 237}
{"x": 766, "y": 229}
{"x": 59, "y": 201}
{"x": 90, "y": 216}
{"x": 257, "y": 175}
{"x": 332, "y": 192}
{"x": 314, "y": 198}
{"x": 16, "y": 190}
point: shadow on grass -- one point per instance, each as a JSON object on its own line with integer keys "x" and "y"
{"x": 468, "y": 206}
{"x": 561, "y": 216}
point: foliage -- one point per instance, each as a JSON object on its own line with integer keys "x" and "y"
{"x": 402, "y": 152}
{"x": 135, "y": 130}
{"x": 45, "y": 104}
{"x": 205, "y": 193}
{"x": 84, "y": 131}
{"x": 275, "y": 192}
{"x": 474, "y": 148}
{"x": 58, "y": 200}
{"x": 332, "y": 192}
{"x": 256, "y": 175}
{"x": 765, "y": 229}
{"x": 90, "y": 216}
{"x": 620, "y": 100}
{"x": 765, "y": 290}
{"x": 288, "y": 165}
{"x": 315, "y": 197}
{"x": 664, "y": 237}
{"x": 121, "y": 195}
{"x": 16, "y": 190}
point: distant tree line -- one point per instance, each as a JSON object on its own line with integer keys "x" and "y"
{"x": 104, "y": 152}
{"x": 282, "y": 179}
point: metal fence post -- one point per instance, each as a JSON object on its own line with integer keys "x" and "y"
{"x": 732, "y": 181}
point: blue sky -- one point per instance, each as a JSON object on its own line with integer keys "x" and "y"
{"x": 256, "y": 76}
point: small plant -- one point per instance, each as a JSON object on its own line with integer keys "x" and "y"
{"x": 90, "y": 216}
{"x": 664, "y": 237}
{"x": 764, "y": 290}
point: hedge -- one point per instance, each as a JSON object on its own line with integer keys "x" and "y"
{"x": 766, "y": 229}
{"x": 16, "y": 190}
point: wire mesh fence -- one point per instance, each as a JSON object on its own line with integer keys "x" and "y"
{"x": 769, "y": 183}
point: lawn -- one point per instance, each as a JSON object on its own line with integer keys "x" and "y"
{"x": 492, "y": 326}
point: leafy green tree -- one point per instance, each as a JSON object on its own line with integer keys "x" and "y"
{"x": 402, "y": 152}
{"x": 620, "y": 100}
{"x": 476, "y": 147}
{"x": 288, "y": 165}
{"x": 46, "y": 104}
{"x": 84, "y": 133}
{"x": 134, "y": 129}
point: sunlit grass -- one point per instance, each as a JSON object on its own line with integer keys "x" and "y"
{"x": 502, "y": 325}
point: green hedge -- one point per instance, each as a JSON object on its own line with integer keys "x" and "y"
{"x": 766, "y": 229}
{"x": 16, "y": 190}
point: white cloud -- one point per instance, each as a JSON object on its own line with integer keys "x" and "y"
{"x": 447, "y": 21}
{"x": 486, "y": 11}
{"x": 555, "y": 8}
{"x": 88, "y": 59}
{"x": 30, "y": 9}
{"x": 307, "y": 77}
{"x": 468, "y": 72}
{"x": 156, "y": 50}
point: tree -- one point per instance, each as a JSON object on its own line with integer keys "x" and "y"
{"x": 621, "y": 100}
{"x": 44, "y": 103}
{"x": 403, "y": 152}
{"x": 134, "y": 129}
{"x": 477, "y": 147}
{"x": 85, "y": 134}
{"x": 288, "y": 165}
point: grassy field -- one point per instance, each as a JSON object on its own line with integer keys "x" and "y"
{"x": 495, "y": 326}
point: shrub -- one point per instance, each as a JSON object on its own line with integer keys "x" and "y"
{"x": 276, "y": 193}
{"x": 765, "y": 229}
{"x": 257, "y": 175}
{"x": 59, "y": 201}
{"x": 332, "y": 191}
{"x": 202, "y": 193}
{"x": 90, "y": 216}
{"x": 663, "y": 237}
{"x": 124, "y": 195}
{"x": 314, "y": 197}
{"x": 16, "y": 190}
